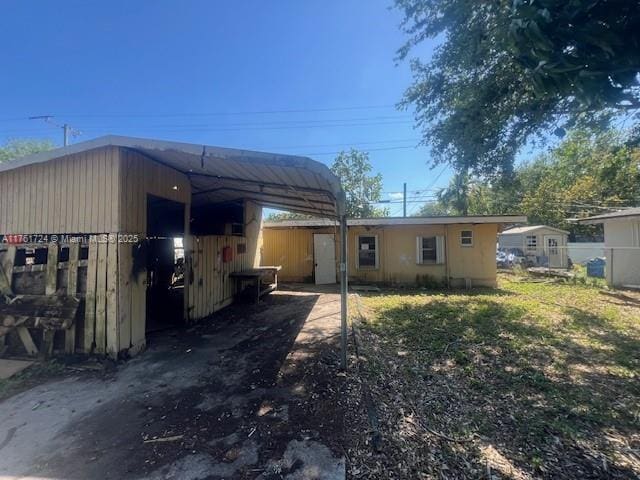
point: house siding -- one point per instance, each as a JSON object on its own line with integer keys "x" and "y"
{"x": 292, "y": 248}
{"x": 622, "y": 249}
{"x": 74, "y": 194}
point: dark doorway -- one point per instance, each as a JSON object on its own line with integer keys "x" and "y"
{"x": 165, "y": 263}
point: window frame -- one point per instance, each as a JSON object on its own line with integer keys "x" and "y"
{"x": 377, "y": 252}
{"x": 466, "y": 245}
{"x": 528, "y": 246}
{"x": 440, "y": 250}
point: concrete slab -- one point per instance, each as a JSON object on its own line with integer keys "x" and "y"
{"x": 8, "y": 368}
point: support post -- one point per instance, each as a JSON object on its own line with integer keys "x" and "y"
{"x": 344, "y": 291}
{"x": 404, "y": 199}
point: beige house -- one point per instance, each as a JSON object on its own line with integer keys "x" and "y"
{"x": 104, "y": 240}
{"x": 453, "y": 251}
{"x": 621, "y": 245}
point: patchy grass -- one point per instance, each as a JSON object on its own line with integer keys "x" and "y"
{"x": 532, "y": 379}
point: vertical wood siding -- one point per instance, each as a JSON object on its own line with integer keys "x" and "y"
{"x": 292, "y": 248}
{"x": 140, "y": 176}
{"x": 73, "y": 194}
{"x": 212, "y": 289}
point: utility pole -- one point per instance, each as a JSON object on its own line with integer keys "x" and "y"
{"x": 404, "y": 199}
{"x": 66, "y": 128}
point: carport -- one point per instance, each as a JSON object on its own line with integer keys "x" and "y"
{"x": 149, "y": 184}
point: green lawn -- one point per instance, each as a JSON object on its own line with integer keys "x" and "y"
{"x": 530, "y": 379}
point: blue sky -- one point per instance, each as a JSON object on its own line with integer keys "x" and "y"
{"x": 199, "y": 71}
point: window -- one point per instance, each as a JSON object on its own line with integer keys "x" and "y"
{"x": 466, "y": 238}
{"x": 367, "y": 251}
{"x": 429, "y": 250}
{"x": 531, "y": 242}
{"x": 237, "y": 229}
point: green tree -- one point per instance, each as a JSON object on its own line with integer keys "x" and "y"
{"x": 586, "y": 174}
{"x": 432, "y": 209}
{"x": 508, "y": 72}
{"x": 19, "y": 148}
{"x": 361, "y": 188}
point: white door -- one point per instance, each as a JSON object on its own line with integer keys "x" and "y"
{"x": 553, "y": 250}
{"x": 324, "y": 257}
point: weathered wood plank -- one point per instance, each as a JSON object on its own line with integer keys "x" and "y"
{"x": 90, "y": 299}
{"x": 6, "y": 270}
{"x": 51, "y": 280}
{"x": 27, "y": 341}
{"x": 138, "y": 311}
{"x": 124, "y": 295}
{"x": 112, "y": 319}
{"x": 101, "y": 299}
{"x": 72, "y": 289}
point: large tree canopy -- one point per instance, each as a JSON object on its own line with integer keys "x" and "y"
{"x": 508, "y": 71}
{"x": 585, "y": 175}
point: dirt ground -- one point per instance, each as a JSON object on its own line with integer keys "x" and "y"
{"x": 252, "y": 393}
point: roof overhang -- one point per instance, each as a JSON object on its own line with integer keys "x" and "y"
{"x": 532, "y": 228}
{"x": 219, "y": 175}
{"x": 382, "y": 221}
{"x": 625, "y": 214}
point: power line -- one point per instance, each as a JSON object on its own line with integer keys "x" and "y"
{"x": 214, "y": 114}
{"x": 181, "y": 129}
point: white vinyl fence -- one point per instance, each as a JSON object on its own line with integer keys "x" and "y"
{"x": 582, "y": 252}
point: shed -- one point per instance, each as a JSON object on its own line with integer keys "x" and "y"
{"x": 454, "y": 251}
{"x": 621, "y": 245}
{"x": 543, "y": 244}
{"x": 119, "y": 235}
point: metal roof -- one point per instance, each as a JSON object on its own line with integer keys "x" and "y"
{"x": 627, "y": 212}
{"x": 531, "y": 228}
{"x": 220, "y": 174}
{"x": 380, "y": 221}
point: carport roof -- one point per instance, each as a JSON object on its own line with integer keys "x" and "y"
{"x": 220, "y": 174}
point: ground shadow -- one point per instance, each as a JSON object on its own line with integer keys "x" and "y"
{"x": 232, "y": 388}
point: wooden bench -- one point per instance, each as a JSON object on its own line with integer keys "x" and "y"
{"x": 256, "y": 277}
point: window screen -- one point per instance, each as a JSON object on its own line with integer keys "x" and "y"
{"x": 429, "y": 250}
{"x": 367, "y": 251}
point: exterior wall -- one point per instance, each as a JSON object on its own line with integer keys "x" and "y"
{"x": 397, "y": 257}
{"x": 75, "y": 194}
{"x": 139, "y": 177}
{"x": 622, "y": 249}
{"x": 99, "y": 191}
{"x": 514, "y": 240}
{"x": 478, "y": 262}
{"x": 293, "y": 249}
{"x": 212, "y": 288}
